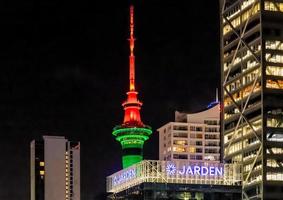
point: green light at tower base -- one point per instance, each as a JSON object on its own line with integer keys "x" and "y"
{"x": 129, "y": 160}
{"x": 132, "y": 140}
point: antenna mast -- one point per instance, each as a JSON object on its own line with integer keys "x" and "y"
{"x": 132, "y": 46}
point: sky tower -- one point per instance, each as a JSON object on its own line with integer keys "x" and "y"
{"x": 133, "y": 132}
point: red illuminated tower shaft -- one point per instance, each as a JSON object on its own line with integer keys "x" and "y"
{"x": 132, "y": 46}
{"x": 132, "y": 133}
{"x": 132, "y": 105}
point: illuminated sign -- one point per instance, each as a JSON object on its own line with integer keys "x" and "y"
{"x": 124, "y": 176}
{"x": 195, "y": 170}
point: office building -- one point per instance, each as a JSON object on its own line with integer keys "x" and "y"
{"x": 252, "y": 93}
{"x": 55, "y": 169}
{"x": 192, "y": 136}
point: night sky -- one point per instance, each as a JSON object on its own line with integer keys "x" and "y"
{"x": 64, "y": 71}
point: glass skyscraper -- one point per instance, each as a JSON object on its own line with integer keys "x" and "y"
{"x": 252, "y": 93}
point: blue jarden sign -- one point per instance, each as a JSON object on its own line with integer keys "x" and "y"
{"x": 195, "y": 170}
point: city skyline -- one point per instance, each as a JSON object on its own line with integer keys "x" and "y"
{"x": 66, "y": 74}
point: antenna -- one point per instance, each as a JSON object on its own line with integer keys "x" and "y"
{"x": 132, "y": 46}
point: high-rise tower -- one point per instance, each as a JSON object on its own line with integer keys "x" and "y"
{"x": 133, "y": 132}
{"x": 252, "y": 93}
{"x": 55, "y": 169}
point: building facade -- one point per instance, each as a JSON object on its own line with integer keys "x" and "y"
{"x": 252, "y": 93}
{"x": 55, "y": 169}
{"x": 194, "y": 137}
{"x": 151, "y": 179}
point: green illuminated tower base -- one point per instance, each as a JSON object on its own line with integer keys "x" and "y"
{"x": 131, "y": 140}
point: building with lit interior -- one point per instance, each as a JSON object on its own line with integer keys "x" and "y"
{"x": 133, "y": 132}
{"x": 252, "y": 92}
{"x": 176, "y": 180}
{"x": 192, "y": 136}
{"x": 55, "y": 169}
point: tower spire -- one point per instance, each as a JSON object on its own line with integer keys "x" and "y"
{"x": 132, "y": 46}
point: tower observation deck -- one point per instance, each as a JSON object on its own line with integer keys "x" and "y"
{"x": 132, "y": 133}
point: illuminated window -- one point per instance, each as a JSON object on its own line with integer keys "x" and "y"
{"x": 274, "y": 151}
{"x": 192, "y": 149}
{"x": 41, "y": 164}
{"x": 179, "y": 149}
{"x": 237, "y": 21}
{"x": 273, "y": 6}
{"x": 274, "y": 58}
{"x": 274, "y": 84}
{"x": 275, "y": 45}
{"x": 234, "y": 148}
{"x": 275, "y": 122}
{"x": 274, "y": 71}
{"x": 210, "y": 158}
{"x": 180, "y": 142}
{"x": 41, "y": 173}
{"x": 275, "y": 176}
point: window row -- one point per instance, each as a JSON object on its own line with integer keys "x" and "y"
{"x": 211, "y": 122}
{"x": 274, "y": 84}
{"x": 255, "y": 48}
{"x": 275, "y": 122}
{"x": 182, "y": 128}
{"x": 274, "y": 137}
{"x": 275, "y": 58}
{"x": 242, "y": 18}
{"x": 273, "y": 6}
{"x": 240, "y": 132}
{"x": 237, "y": 9}
{"x": 249, "y": 167}
{"x": 274, "y": 150}
{"x": 274, "y": 45}
{"x": 241, "y": 94}
{"x": 273, "y": 163}
{"x": 274, "y": 176}
{"x": 274, "y": 71}
{"x": 247, "y": 79}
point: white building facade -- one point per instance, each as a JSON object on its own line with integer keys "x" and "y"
{"x": 194, "y": 137}
{"x": 55, "y": 169}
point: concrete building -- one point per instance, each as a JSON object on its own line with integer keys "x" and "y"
{"x": 55, "y": 169}
{"x": 252, "y": 93}
{"x": 193, "y": 136}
